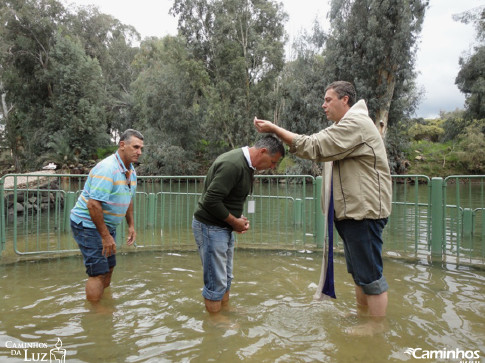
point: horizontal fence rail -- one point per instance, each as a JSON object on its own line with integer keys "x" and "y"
{"x": 430, "y": 217}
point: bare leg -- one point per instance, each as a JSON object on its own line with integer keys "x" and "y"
{"x": 361, "y": 299}
{"x": 225, "y": 301}
{"x": 373, "y": 306}
{"x": 95, "y": 288}
{"x": 377, "y": 304}
{"x": 213, "y": 306}
{"x": 107, "y": 278}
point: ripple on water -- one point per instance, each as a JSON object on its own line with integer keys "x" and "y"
{"x": 154, "y": 311}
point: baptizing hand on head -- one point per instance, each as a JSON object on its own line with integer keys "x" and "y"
{"x": 263, "y": 126}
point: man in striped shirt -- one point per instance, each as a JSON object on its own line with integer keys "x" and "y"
{"x": 106, "y": 199}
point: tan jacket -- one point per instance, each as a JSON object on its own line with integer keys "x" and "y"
{"x": 361, "y": 177}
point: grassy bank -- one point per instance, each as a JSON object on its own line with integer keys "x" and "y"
{"x": 434, "y": 159}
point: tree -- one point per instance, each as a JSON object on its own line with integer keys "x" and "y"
{"x": 241, "y": 46}
{"x": 373, "y": 44}
{"x": 113, "y": 45}
{"x": 28, "y": 29}
{"x": 168, "y": 102}
{"x": 299, "y": 94}
{"x": 471, "y": 77}
{"x": 75, "y": 111}
{"x": 62, "y": 74}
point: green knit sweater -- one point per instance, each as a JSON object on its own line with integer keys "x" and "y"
{"x": 226, "y": 187}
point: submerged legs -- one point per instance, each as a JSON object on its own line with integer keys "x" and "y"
{"x": 95, "y": 285}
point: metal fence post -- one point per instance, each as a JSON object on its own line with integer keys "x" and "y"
{"x": 69, "y": 201}
{"x": 297, "y": 211}
{"x": 437, "y": 216}
{"x": 467, "y": 222}
{"x": 151, "y": 209}
{"x": 319, "y": 217}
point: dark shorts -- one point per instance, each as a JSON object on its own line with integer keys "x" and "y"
{"x": 363, "y": 252}
{"x": 91, "y": 246}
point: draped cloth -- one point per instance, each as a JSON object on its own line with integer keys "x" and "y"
{"x": 326, "y": 286}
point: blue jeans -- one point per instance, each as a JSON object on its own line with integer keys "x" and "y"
{"x": 91, "y": 245}
{"x": 216, "y": 250}
{"x": 363, "y": 252}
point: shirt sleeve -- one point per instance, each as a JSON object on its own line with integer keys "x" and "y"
{"x": 333, "y": 143}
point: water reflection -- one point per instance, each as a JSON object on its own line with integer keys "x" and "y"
{"x": 154, "y": 311}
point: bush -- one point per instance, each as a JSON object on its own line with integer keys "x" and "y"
{"x": 472, "y": 148}
{"x": 431, "y": 132}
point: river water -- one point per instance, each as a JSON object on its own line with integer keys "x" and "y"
{"x": 154, "y": 312}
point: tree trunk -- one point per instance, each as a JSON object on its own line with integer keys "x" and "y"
{"x": 382, "y": 114}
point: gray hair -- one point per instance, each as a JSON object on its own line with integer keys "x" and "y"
{"x": 272, "y": 143}
{"x": 129, "y": 133}
{"x": 343, "y": 88}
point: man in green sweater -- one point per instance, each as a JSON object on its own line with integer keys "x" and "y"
{"x": 219, "y": 213}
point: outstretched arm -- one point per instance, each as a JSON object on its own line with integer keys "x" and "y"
{"x": 265, "y": 126}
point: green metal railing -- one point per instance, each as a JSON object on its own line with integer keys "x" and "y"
{"x": 439, "y": 218}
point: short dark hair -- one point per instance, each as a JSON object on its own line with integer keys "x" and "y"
{"x": 343, "y": 88}
{"x": 129, "y": 133}
{"x": 272, "y": 143}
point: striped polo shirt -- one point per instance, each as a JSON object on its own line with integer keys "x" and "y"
{"x": 106, "y": 183}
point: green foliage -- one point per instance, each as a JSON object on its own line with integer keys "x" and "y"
{"x": 60, "y": 152}
{"x": 472, "y": 148}
{"x": 471, "y": 81}
{"x": 71, "y": 79}
{"x": 104, "y": 152}
{"x": 431, "y": 130}
{"x": 168, "y": 101}
{"x": 433, "y": 159}
{"x": 76, "y": 103}
{"x": 446, "y": 146}
{"x": 373, "y": 45}
{"x": 62, "y": 74}
{"x": 471, "y": 78}
{"x": 241, "y": 44}
{"x": 397, "y": 141}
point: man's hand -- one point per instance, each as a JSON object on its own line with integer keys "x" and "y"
{"x": 131, "y": 236}
{"x": 109, "y": 246}
{"x": 246, "y": 225}
{"x": 239, "y": 225}
{"x": 263, "y": 126}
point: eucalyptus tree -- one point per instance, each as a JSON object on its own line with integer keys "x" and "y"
{"x": 75, "y": 109}
{"x": 114, "y": 45}
{"x": 471, "y": 77}
{"x": 168, "y": 102}
{"x": 63, "y": 75}
{"x": 28, "y": 31}
{"x": 241, "y": 44}
{"x": 373, "y": 44}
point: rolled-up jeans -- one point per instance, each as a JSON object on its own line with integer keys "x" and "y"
{"x": 216, "y": 250}
{"x": 363, "y": 252}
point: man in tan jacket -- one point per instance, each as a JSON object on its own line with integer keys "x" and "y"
{"x": 361, "y": 189}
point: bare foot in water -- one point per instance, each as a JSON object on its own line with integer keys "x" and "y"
{"x": 219, "y": 320}
{"x": 370, "y": 328}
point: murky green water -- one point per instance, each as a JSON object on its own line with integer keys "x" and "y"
{"x": 154, "y": 312}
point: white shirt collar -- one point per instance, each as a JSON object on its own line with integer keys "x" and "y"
{"x": 245, "y": 150}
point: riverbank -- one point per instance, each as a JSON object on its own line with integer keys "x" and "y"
{"x": 27, "y": 178}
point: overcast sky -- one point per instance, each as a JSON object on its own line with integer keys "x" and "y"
{"x": 443, "y": 40}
